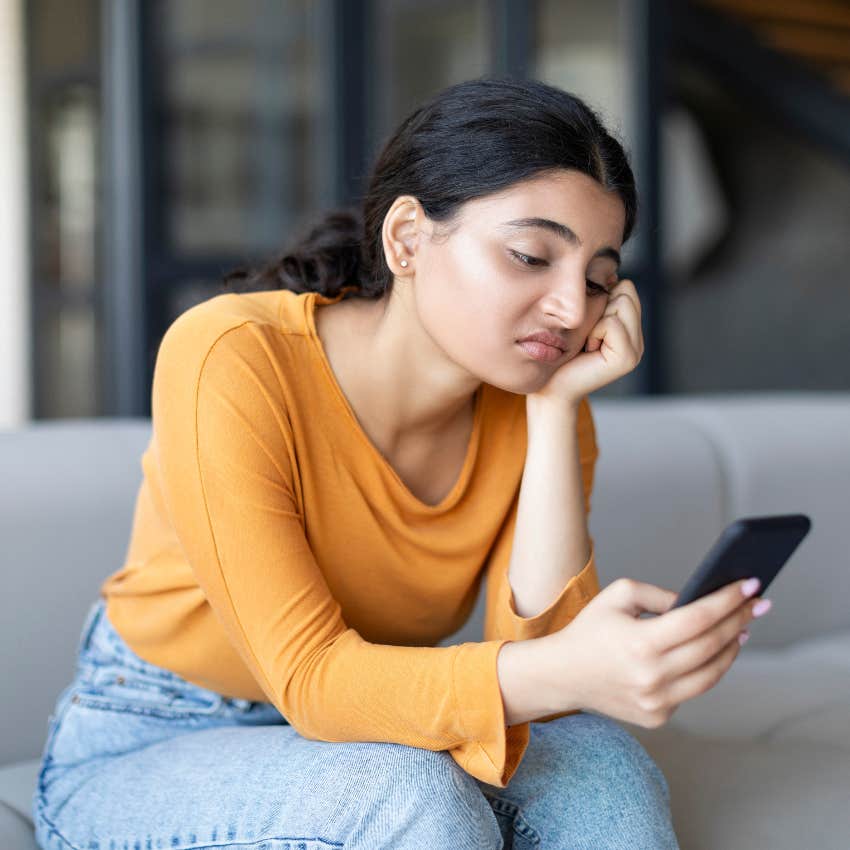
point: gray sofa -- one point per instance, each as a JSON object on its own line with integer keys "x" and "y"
{"x": 762, "y": 760}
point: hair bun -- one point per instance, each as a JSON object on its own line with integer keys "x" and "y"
{"x": 324, "y": 257}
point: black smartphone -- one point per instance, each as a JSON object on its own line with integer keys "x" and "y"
{"x": 750, "y": 546}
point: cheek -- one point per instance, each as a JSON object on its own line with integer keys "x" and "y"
{"x": 463, "y": 322}
{"x": 460, "y": 305}
{"x": 596, "y": 307}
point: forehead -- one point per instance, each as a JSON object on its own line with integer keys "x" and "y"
{"x": 568, "y": 197}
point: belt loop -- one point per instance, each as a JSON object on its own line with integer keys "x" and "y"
{"x": 93, "y": 616}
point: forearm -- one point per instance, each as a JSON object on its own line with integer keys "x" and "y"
{"x": 551, "y": 543}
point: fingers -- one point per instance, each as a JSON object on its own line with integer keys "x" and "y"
{"x": 625, "y": 305}
{"x": 617, "y": 335}
{"x": 688, "y": 657}
{"x": 704, "y": 677}
{"x": 626, "y": 289}
{"x": 684, "y": 624}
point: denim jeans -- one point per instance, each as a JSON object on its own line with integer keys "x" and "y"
{"x": 138, "y": 758}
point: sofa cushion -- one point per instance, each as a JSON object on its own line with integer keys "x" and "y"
{"x": 782, "y": 794}
{"x": 15, "y": 832}
{"x": 17, "y": 786}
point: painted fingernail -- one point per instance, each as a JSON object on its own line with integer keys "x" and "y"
{"x": 743, "y": 637}
{"x": 750, "y": 586}
{"x": 761, "y": 607}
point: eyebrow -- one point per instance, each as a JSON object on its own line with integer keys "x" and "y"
{"x": 566, "y": 233}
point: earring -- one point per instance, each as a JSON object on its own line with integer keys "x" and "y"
{"x": 404, "y": 263}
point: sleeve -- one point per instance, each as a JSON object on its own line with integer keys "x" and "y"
{"x": 224, "y": 447}
{"x": 501, "y": 620}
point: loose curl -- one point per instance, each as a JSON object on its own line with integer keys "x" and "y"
{"x": 469, "y": 140}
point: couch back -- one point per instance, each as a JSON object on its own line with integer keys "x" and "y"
{"x": 67, "y": 495}
{"x": 672, "y": 473}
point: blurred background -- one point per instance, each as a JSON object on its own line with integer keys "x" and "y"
{"x": 147, "y": 148}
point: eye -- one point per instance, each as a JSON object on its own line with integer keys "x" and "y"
{"x": 597, "y": 288}
{"x": 526, "y": 260}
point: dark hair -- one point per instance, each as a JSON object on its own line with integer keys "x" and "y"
{"x": 469, "y": 140}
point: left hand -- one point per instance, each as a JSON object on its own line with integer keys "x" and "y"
{"x": 614, "y": 348}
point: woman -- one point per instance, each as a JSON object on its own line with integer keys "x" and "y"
{"x": 340, "y": 454}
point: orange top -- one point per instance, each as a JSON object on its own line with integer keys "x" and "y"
{"x": 276, "y": 556}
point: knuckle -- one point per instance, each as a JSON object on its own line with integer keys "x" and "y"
{"x": 643, "y": 650}
{"x": 705, "y": 618}
{"x": 718, "y": 672}
{"x": 657, "y": 719}
{"x": 650, "y": 705}
{"x": 719, "y": 642}
{"x": 649, "y": 680}
{"x": 623, "y": 581}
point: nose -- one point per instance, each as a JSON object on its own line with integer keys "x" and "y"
{"x": 567, "y": 302}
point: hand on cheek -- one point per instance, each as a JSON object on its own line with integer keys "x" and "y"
{"x": 613, "y": 348}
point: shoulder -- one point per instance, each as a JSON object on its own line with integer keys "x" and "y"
{"x": 233, "y": 345}
{"x": 199, "y": 327}
{"x": 226, "y": 321}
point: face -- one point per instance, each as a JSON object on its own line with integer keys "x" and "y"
{"x": 487, "y": 283}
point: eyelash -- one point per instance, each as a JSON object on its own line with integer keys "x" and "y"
{"x": 597, "y": 287}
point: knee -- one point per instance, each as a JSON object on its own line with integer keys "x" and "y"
{"x": 430, "y": 792}
{"x": 424, "y": 775}
{"x": 608, "y": 758}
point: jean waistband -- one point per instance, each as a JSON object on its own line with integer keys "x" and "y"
{"x": 100, "y": 641}
{"x": 96, "y": 612}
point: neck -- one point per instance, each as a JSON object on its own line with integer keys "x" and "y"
{"x": 398, "y": 373}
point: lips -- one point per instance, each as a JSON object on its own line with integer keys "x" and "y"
{"x": 541, "y": 351}
{"x": 546, "y": 338}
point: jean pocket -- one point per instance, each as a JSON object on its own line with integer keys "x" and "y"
{"x": 116, "y": 687}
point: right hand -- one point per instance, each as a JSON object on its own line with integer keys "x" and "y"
{"x": 609, "y": 660}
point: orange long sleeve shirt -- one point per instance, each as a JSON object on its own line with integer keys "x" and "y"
{"x": 276, "y": 555}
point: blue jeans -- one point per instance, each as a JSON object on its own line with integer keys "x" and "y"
{"x": 137, "y": 758}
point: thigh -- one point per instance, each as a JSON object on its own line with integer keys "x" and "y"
{"x": 154, "y": 762}
{"x": 586, "y": 783}
{"x": 266, "y": 787}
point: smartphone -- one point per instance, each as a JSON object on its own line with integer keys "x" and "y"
{"x": 750, "y": 546}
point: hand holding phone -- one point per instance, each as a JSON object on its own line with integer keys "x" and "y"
{"x": 608, "y": 659}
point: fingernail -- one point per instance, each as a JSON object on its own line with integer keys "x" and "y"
{"x": 761, "y": 607}
{"x": 750, "y": 586}
{"x": 743, "y": 637}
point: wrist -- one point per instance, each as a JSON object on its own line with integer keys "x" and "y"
{"x": 528, "y": 680}
{"x": 555, "y": 674}
{"x": 549, "y": 406}
{"x": 550, "y": 418}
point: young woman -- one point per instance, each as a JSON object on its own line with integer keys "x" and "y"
{"x": 341, "y": 453}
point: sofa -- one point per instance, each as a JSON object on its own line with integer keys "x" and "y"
{"x": 761, "y": 760}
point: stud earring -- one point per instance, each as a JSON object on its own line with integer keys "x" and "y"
{"x": 404, "y": 263}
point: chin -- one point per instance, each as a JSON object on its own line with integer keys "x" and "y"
{"x": 519, "y": 386}
{"x": 513, "y": 380}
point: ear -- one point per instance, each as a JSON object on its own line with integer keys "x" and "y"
{"x": 400, "y": 233}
